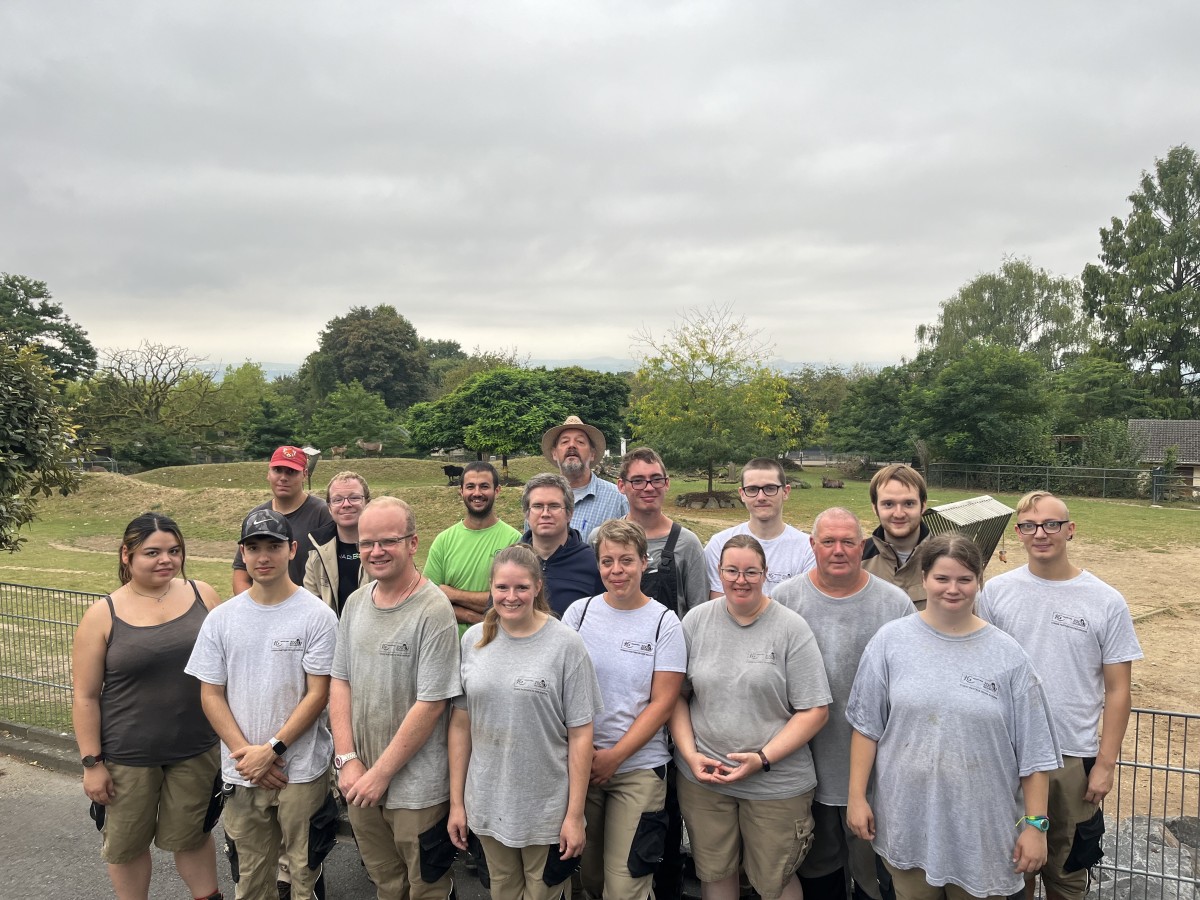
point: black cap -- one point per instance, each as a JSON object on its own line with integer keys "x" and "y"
{"x": 266, "y": 523}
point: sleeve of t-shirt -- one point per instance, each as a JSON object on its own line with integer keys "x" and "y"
{"x": 712, "y": 559}
{"x": 340, "y": 669}
{"x": 438, "y": 675}
{"x": 581, "y": 691}
{"x": 670, "y": 655}
{"x": 434, "y": 562}
{"x": 867, "y": 708}
{"x": 1119, "y": 643}
{"x": 207, "y": 662}
{"x": 1034, "y": 739}
{"x": 689, "y": 556}
{"x": 807, "y": 683}
{"x": 322, "y": 641}
{"x": 808, "y": 559}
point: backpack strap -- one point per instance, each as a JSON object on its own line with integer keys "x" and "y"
{"x": 583, "y": 615}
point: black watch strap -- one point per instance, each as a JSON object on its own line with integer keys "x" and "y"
{"x": 766, "y": 763}
{"x": 89, "y": 760}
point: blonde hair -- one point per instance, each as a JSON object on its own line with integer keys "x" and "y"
{"x": 624, "y": 534}
{"x": 520, "y": 555}
{"x": 1030, "y": 500}
{"x": 349, "y": 476}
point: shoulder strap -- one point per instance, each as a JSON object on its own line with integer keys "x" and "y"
{"x": 669, "y": 547}
{"x": 658, "y": 630}
{"x": 196, "y": 591}
{"x": 112, "y": 612}
{"x": 583, "y": 615}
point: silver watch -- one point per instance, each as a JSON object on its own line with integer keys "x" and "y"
{"x": 342, "y": 758}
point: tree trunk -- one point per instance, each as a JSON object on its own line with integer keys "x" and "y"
{"x": 710, "y": 476}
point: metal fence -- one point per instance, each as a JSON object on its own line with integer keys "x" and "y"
{"x": 1152, "y": 841}
{"x": 37, "y": 628}
{"x": 1076, "y": 481}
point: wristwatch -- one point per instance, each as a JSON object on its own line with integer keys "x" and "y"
{"x": 342, "y": 758}
{"x": 89, "y": 760}
{"x": 278, "y": 746}
{"x": 766, "y": 763}
{"x": 1041, "y": 823}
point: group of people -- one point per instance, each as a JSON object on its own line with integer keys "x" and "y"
{"x": 826, "y": 713}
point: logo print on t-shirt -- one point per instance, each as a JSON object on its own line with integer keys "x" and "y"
{"x": 644, "y": 648}
{"x": 531, "y": 683}
{"x": 762, "y": 656}
{"x": 1079, "y": 623}
{"x": 982, "y": 685}
{"x": 288, "y": 644}
{"x": 393, "y": 648}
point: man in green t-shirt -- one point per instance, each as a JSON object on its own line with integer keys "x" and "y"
{"x": 460, "y": 558}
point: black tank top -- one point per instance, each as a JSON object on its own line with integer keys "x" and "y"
{"x": 150, "y": 712}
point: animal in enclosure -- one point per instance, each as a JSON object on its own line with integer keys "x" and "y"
{"x": 337, "y": 452}
{"x": 832, "y": 483}
{"x": 454, "y": 474}
{"x": 370, "y": 448}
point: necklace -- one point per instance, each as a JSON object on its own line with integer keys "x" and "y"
{"x": 405, "y": 594}
{"x": 159, "y": 598}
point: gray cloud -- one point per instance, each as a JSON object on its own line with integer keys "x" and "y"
{"x": 557, "y": 175}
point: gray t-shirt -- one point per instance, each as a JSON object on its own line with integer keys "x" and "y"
{"x": 958, "y": 721}
{"x": 842, "y": 626}
{"x": 746, "y": 683}
{"x": 788, "y": 555}
{"x": 392, "y": 658}
{"x": 522, "y": 694}
{"x": 261, "y": 654}
{"x": 1071, "y": 630}
{"x": 627, "y": 647}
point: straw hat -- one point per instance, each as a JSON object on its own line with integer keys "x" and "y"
{"x": 550, "y": 438}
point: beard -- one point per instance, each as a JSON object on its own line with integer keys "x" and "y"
{"x": 572, "y": 467}
{"x": 480, "y": 513}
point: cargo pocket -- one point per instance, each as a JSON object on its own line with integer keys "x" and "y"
{"x": 1086, "y": 849}
{"x": 235, "y": 873}
{"x": 557, "y": 868}
{"x": 649, "y": 843}
{"x": 801, "y": 846}
{"x": 437, "y": 851}
{"x": 322, "y": 832}
{"x": 216, "y": 803}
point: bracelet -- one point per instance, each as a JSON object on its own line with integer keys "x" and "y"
{"x": 1041, "y": 823}
{"x": 766, "y": 763}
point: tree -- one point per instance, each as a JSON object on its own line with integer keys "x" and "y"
{"x": 872, "y": 419}
{"x": 501, "y": 411}
{"x": 274, "y": 424}
{"x": 1019, "y": 307}
{"x": 28, "y": 316}
{"x": 599, "y": 398}
{"x": 1093, "y": 386}
{"x": 35, "y": 441}
{"x": 1146, "y": 291}
{"x": 150, "y": 404}
{"x": 377, "y": 347}
{"x": 988, "y": 406}
{"x": 816, "y": 394}
{"x": 353, "y": 413}
{"x": 705, "y": 395}
{"x": 450, "y": 374}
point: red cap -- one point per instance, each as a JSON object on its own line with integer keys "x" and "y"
{"x": 292, "y": 457}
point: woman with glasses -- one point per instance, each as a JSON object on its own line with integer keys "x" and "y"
{"x": 334, "y": 571}
{"x": 754, "y": 695}
{"x": 150, "y": 756}
{"x": 636, "y": 645}
{"x": 951, "y": 718}
{"x": 520, "y": 740}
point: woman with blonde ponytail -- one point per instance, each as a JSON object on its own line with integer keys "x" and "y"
{"x": 521, "y": 736}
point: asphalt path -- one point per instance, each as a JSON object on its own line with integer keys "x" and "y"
{"x": 51, "y": 849}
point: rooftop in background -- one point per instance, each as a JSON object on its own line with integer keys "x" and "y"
{"x": 1183, "y": 434}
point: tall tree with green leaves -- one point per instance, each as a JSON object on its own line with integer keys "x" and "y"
{"x": 352, "y": 413}
{"x": 28, "y": 315}
{"x": 1145, "y": 293}
{"x": 36, "y": 440}
{"x": 1019, "y": 307}
{"x": 705, "y": 395}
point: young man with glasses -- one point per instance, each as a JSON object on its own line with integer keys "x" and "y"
{"x": 568, "y": 561}
{"x": 844, "y": 605}
{"x": 898, "y": 497}
{"x": 395, "y": 667}
{"x": 1079, "y": 634}
{"x": 304, "y": 512}
{"x": 333, "y": 571}
{"x": 764, "y": 490}
{"x": 460, "y": 558}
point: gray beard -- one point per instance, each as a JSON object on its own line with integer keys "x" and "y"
{"x": 572, "y": 467}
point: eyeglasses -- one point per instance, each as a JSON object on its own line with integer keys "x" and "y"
{"x": 547, "y": 507}
{"x": 637, "y": 482}
{"x": 1052, "y": 527}
{"x": 353, "y": 499}
{"x": 729, "y": 573}
{"x": 383, "y": 543}
{"x": 751, "y": 490}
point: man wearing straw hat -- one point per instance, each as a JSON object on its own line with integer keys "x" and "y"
{"x": 574, "y": 446}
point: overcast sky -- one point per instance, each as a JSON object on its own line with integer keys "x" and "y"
{"x": 553, "y": 176}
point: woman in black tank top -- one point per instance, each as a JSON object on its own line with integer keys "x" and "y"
{"x": 150, "y": 756}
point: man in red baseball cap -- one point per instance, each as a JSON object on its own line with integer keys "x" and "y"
{"x": 304, "y": 512}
